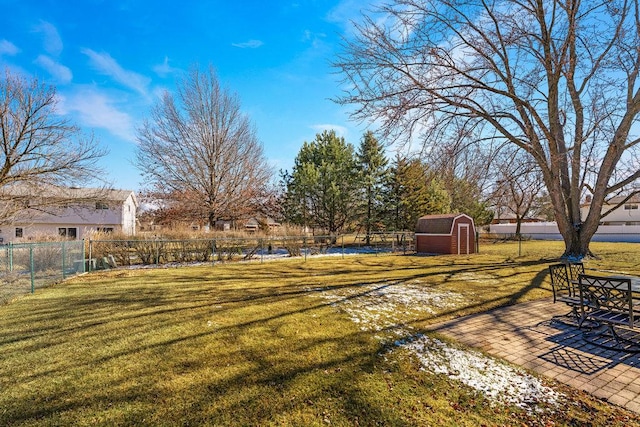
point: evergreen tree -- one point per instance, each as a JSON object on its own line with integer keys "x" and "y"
{"x": 466, "y": 197}
{"x": 322, "y": 189}
{"x": 413, "y": 191}
{"x": 373, "y": 172}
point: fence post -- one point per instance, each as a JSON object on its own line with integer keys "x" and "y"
{"x": 32, "y": 268}
{"x": 342, "y": 240}
{"x": 10, "y": 257}
{"x": 376, "y": 245}
{"x": 89, "y": 262}
{"x": 519, "y": 245}
{"x": 83, "y": 255}
{"x": 64, "y": 255}
{"x": 213, "y": 251}
{"x": 261, "y": 251}
{"x": 304, "y": 246}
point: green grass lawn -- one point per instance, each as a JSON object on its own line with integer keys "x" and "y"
{"x": 274, "y": 343}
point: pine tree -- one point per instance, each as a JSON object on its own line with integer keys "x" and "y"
{"x": 322, "y": 189}
{"x": 373, "y": 173}
{"x": 413, "y": 191}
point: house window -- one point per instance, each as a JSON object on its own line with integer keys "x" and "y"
{"x": 101, "y": 205}
{"x": 18, "y": 232}
{"x": 629, "y": 207}
{"x": 106, "y": 230}
{"x": 70, "y": 233}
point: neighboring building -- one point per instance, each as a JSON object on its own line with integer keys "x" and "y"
{"x": 621, "y": 225}
{"x": 446, "y": 234}
{"x": 627, "y": 214}
{"x": 250, "y": 225}
{"x": 510, "y": 218}
{"x": 253, "y": 224}
{"x": 111, "y": 211}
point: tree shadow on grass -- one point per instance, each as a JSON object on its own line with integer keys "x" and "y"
{"x": 148, "y": 353}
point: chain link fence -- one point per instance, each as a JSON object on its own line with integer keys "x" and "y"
{"x": 25, "y": 267}
{"x": 144, "y": 251}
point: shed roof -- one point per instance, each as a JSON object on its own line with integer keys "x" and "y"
{"x": 438, "y": 224}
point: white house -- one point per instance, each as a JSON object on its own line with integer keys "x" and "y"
{"x": 110, "y": 211}
{"x": 627, "y": 214}
{"x": 621, "y": 225}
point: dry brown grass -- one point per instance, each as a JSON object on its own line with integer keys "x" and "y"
{"x": 259, "y": 344}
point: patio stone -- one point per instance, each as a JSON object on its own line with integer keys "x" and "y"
{"x": 525, "y": 335}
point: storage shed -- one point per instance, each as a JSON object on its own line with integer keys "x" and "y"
{"x": 446, "y": 234}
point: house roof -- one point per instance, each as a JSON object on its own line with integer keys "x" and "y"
{"x": 69, "y": 193}
{"x": 511, "y": 215}
{"x": 108, "y": 194}
{"x": 438, "y": 224}
{"x": 615, "y": 200}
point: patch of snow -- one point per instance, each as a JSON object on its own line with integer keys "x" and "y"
{"x": 387, "y": 306}
{"x": 498, "y": 381}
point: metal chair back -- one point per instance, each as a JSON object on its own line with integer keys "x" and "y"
{"x": 575, "y": 270}
{"x": 609, "y": 298}
{"x": 560, "y": 282}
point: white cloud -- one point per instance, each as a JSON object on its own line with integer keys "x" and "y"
{"x": 105, "y": 64}
{"x": 159, "y": 91}
{"x": 58, "y": 71}
{"x": 344, "y": 11}
{"x": 340, "y": 130}
{"x": 8, "y": 48}
{"x": 250, "y": 44}
{"x": 348, "y": 11}
{"x": 164, "y": 69}
{"x": 95, "y": 109}
{"x": 52, "y": 41}
{"x": 316, "y": 39}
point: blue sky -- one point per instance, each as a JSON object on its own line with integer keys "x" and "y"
{"x": 110, "y": 60}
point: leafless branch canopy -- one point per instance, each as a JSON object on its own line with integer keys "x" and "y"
{"x": 556, "y": 78}
{"x": 200, "y": 150}
{"x": 519, "y": 185}
{"x": 39, "y": 148}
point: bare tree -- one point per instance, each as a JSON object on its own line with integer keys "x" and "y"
{"x": 201, "y": 151}
{"x": 557, "y": 78}
{"x": 517, "y": 190}
{"x": 465, "y": 168}
{"x": 42, "y": 153}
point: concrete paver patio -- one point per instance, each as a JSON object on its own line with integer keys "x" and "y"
{"x": 525, "y": 335}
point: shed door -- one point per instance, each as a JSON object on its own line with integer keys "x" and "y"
{"x": 463, "y": 239}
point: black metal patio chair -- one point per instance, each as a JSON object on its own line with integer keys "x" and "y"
{"x": 565, "y": 290}
{"x": 609, "y": 300}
